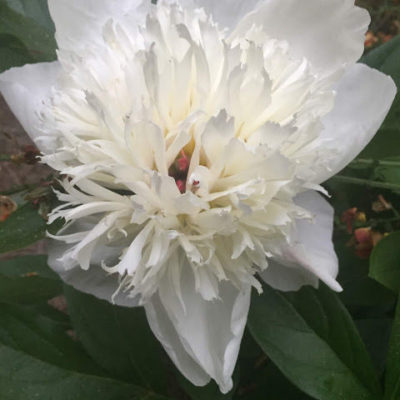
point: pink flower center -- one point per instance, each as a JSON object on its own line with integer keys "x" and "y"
{"x": 179, "y": 171}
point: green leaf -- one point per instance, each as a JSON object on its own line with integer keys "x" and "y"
{"x": 359, "y": 290}
{"x": 27, "y": 331}
{"x": 386, "y": 58}
{"x": 381, "y": 146}
{"x": 314, "y": 343}
{"x": 260, "y": 379}
{"x": 39, "y": 360}
{"x": 385, "y": 262}
{"x": 27, "y": 280}
{"x": 23, "y": 228}
{"x": 118, "y": 338}
{"x": 24, "y": 378}
{"x": 36, "y": 36}
{"x": 20, "y": 266}
{"x": 50, "y": 313}
{"x": 13, "y": 52}
{"x": 327, "y": 316}
{"x": 375, "y": 333}
{"x": 37, "y": 10}
{"x": 392, "y": 376}
{"x": 268, "y": 383}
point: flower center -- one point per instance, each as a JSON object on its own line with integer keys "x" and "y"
{"x": 179, "y": 171}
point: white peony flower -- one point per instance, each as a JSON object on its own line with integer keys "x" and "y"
{"x": 195, "y": 135}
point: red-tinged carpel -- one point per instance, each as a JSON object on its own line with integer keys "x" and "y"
{"x": 181, "y": 185}
{"x": 183, "y": 162}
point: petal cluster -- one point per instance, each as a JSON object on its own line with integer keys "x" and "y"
{"x": 189, "y": 142}
{"x": 193, "y": 137}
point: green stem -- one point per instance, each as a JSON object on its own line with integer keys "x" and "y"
{"x": 371, "y": 162}
{"x": 381, "y": 220}
{"x": 366, "y": 182}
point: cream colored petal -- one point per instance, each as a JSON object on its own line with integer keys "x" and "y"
{"x": 80, "y": 22}
{"x": 209, "y": 331}
{"x": 25, "y": 89}
{"x": 95, "y": 281}
{"x": 364, "y": 98}
{"x": 329, "y": 33}
{"x": 311, "y": 255}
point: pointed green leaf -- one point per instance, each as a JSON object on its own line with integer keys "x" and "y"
{"x": 375, "y": 333}
{"x": 23, "y": 228}
{"x": 37, "y": 38}
{"x": 118, "y": 338}
{"x": 37, "y": 10}
{"x": 392, "y": 377}
{"x": 385, "y": 262}
{"x": 314, "y": 343}
{"x": 27, "y": 280}
{"x": 27, "y": 331}
{"x": 13, "y": 52}
{"x": 23, "y": 377}
{"x": 268, "y": 383}
{"x": 360, "y": 290}
{"x": 386, "y": 58}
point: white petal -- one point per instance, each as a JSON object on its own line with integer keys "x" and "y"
{"x": 24, "y": 89}
{"x": 226, "y": 13}
{"x": 329, "y": 33}
{"x": 166, "y": 333}
{"x": 79, "y": 22}
{"x": 95, "y": 281}
{"x": 311, "y": 254}
{"x": 287, "y": 278}
{"x": 209, "y": 331}
{"x": 364, "y": 97}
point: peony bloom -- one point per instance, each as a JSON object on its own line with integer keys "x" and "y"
{"x": 194, "y": 135}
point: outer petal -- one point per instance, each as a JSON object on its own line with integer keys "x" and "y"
{"x": 24, "y": 89}
{"x": 288, "y": 278}
{"x": 81, "y": 21}
{"x": 227, "y": 13}
{"x": 209, "y": 331}
{"x": 364, "y": 97}
{"x": 311, "y": 256}
{"x": 166, "y": 333}
{"x": 95, "y": 281}
{"x": 329, "y": 33}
